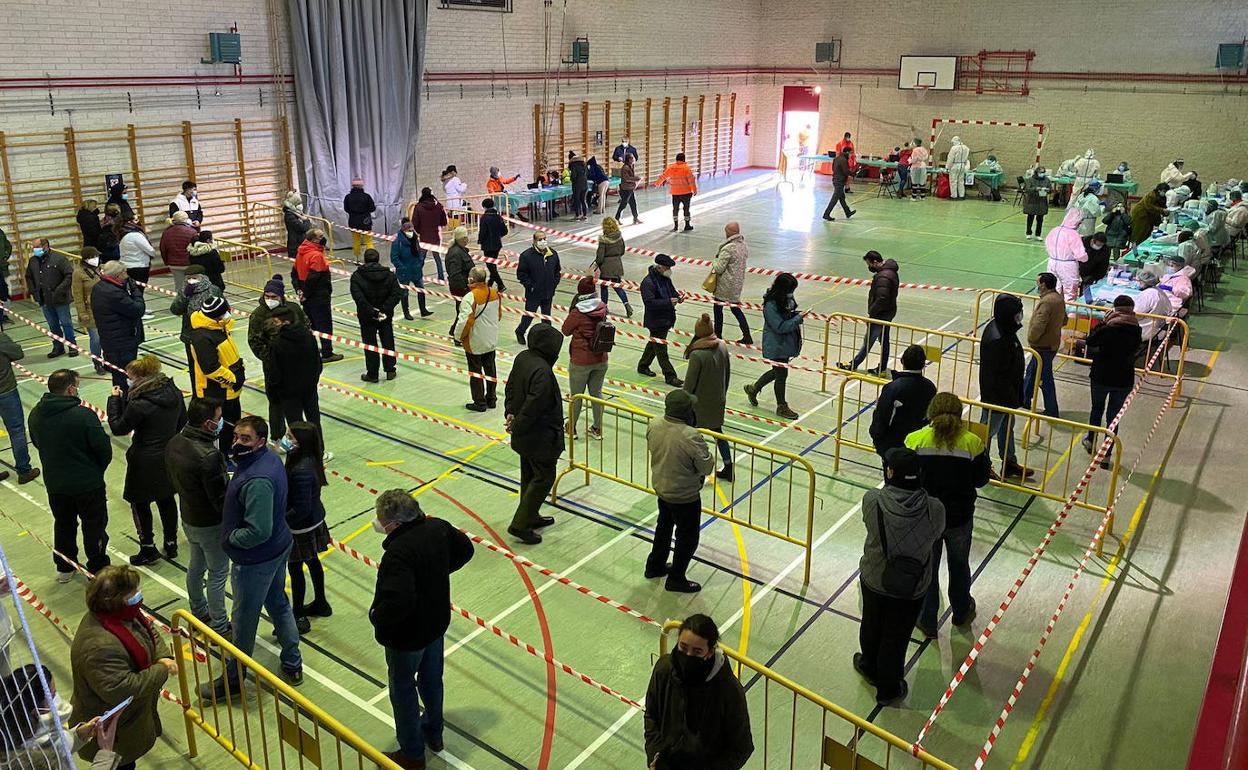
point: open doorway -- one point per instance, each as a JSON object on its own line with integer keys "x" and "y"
{"x": 799, "y": 123}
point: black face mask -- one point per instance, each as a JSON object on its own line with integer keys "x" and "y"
{"x": 239, "y": 452}
{"x": 692, "y": 670}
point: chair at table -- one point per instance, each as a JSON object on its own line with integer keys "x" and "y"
{"x": 888, "y": 183}
{"x": 1019, "y": 194}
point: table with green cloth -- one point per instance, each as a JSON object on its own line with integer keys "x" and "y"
{"x": 1117, "y": 192}
{"x": 1150, "y": 251}
{"x": 535, "y": 196}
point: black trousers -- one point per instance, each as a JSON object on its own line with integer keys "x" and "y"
{"x": 684, "y": 518}
{"x": 144, "y": 525}
{"x": 657, "y": 350}
{"x": 322, "y": 320}
{"x": 1038, "y": 219}
{"x": 628, "y": 198}
{"x": 232, "y": 412}
{"x": 679, "y": 201}
{"x": 277, "y": 419}
{"x": 779, "y": 375}
{"x": 483, "y": 391}
{"x": 92, "y": 509}
{"x": 838, "y": 196}
{"x": 536, "y": 479}
{"x": 883, "y": 636}
{"x": 533, "y": 305}
{"x": 140, "y": 274}
{"x": 120, "y": 358}
{"x": 302, "y": 405}
{"x": 737, "y": 314}
{"x": 381, "y": 333}
{"x": 495, "y": 279}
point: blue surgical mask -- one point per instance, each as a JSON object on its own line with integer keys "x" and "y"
{"x": 38, "y": 251}
{"x": 216, "y": 429}
{"x": 136, "y": 599}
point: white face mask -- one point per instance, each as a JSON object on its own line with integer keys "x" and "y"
{"x": 92, "y": 261}
{"x": 625, "y": 143}
{"x": 192, "y": 280}
{"x": 299, "y": 206}
{"x": 129, "y": 382}
{"x": 378, "y": 527}
{"x": 272, "y": 303}
{"x": 540, "y": 245}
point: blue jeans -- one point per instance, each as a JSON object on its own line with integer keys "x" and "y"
{"x": 94, "y": 335}
{"x": 619, "y": 292}
{"x": 1001, "y": 425}
{"x": 437, "y": 262}
{"x": 15, "y": 424}
{"x": 725, "y": 451}
{"x": 60, "y": 322}
{"x": 257, "y": 585}
{"x": 411, "y": 673}
{"x": 874, "y": 332}
{"x": 207, "y": 558}
{"x": 958, "y": 541}
{"x": 1048, "y": 388}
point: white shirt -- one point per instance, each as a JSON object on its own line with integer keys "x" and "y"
{"x": 136, "y": 250}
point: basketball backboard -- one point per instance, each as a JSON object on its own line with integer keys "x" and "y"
{"x": 936, "y": 73}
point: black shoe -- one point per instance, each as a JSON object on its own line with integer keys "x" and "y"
{"x": 969, "y": 619}
{"x": 293, "y": 676}
{"x": 302, "y": 624}
{"x": 746, "y": 340}
{"x": 331, "y": 358}
{"x": 675, "y": 382}
{"x": 657, "y": 572}
{"x": 783, "y": 410}
{"x": 318, "y": 609}
{"x": 73, "y": 352}
{"x": 688, "y": 227}
{"x": 426, "y": 313}
{"x": 1015, "y": 471}
{"x": 475, "y": 407}
{"x": 28, "y": 476}
{"x": 366, "y": 377}
{"x": 147, "y": 555}
{"x": 456, "y": 342}
{"x": 896, "y": 699}
{"x": 862, "y": 672}
{"x": 57, "y": 352}
{"x": 928, "y": 633}
{"x": 850, "y": 215}
{"x": 544, "y": 521}
{"x": 827, "y": 218}
{"x": 675, "y": 226}
{"x": 4, "y": 475}
{"x": 845, "y": 366}
{"x": 751, "y": 392}
{"x": 390, "y": 375}
{"x": 526, "y": 536}
{"x": 520, "y": 337}
{"x": 435, "y": 744}
{"x": 99, "y": 369}
{"x": 407, "y": 316}
{"x": 1106, "y": 465}
{"x": 682, "y": 586}
{"x": 876, "y": 371}
{"x": 491, "y": 404}
{"x": 221, "y": 689}
{"x": 171, "y": 549}
{"x": 646, "y": 372}
{"x": 502, "y": 288}
{"x": 724, "y": 474}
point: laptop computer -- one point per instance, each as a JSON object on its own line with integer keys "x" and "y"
{"x": 1113, "y": 178}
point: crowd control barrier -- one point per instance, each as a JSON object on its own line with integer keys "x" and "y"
{"x": 268, "y": 226}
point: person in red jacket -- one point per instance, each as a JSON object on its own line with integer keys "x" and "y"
{"x": 847, "y": 142}
{"x": 429, "y": 218}
{"x": 684, "y": 187}
{"x": 588, "y": 367}
{"x": 310, "y": 277}
{"x": 173, "y": 243}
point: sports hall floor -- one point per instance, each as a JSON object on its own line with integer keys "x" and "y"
{"x": 1119, "y": 684}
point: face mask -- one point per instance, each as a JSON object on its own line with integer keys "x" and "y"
{"x": 238, "y": 451}
{"x": 692, "y": 670}
{"x": 272, "y": 303}
{"x": 125, "y": 197}
{"x": 192, "y": 280}
{"x": 1122, "y": 168}
{"x": 540, "y": 245}
{"x": 378, "y": 527}
{"x": 299, "y": 206}
{"x": 129, "y": 383}
{"x": 1018, "y": 319}
{"x": 92, "y": 261}
{"x": 625, "y": 144}
{"x": 216, "y": 429}
{"x": 135, "y": 600}
{"x": 194, "y": 194}
{"x": 38, "y": 252}
{"x": 1171, "y": 269}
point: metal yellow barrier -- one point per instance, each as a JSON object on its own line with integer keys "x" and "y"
{"x": 470, "y": 219}
{"x": 274, "y": 725}
{"x": 1080, "y": 321}
{"x": 765, "y": 495}
{"x": 953, "y": 357}
{"x": 1058, "y": 463}
{"x": 268, "y": 224}
{"x": 792, "y": 716}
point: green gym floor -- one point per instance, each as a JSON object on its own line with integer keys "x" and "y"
{"x": 1119, "y": 683}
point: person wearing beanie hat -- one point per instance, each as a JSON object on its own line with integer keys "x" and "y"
{"x": 259, "y": 341}
{"x": 707, "y": 379}
{"x": 902, "y": 406}
{"x": 659, "y": 298}
{"x": 174, "y": 242}
{"x": 609, "y": 261}
{"x": 680, "y": 461}
{"x": 592, "y": 337}
{"x": 203, "y": 252}
{"x": 903, "y": 524}
{"x": 218, "y": 370}
{"x": 539, "y": 272}
{"x": 533, "y": 410}
{"x": 458, "y": 264}
{"x": 86, "y": 276}
{"x": 192, "y": 297}
{"x": 117, "y": 306}
{"x": 684, "y": 187}
{"x": 409, "y": 261}
{"x": 359, "y": 207}
{"x": 375, "y": 289}
{"x": 491, "y": 229}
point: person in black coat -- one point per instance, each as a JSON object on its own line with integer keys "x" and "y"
{"x": 902, "y": 405}
{"x": 294, "y": 368}
{"x": 659, "y": 298}
{"x": 154, "y": 412}
{"x": 534, "y": 412}
{"x": 118, "y": 307}
{"x": 490, "y": 233}
{"x": 1097, "y": 266}
{"x": 881, "y": 306}
{"x": 841, "y": 174}
{"x": 410, "y": 613}
{"x": 305, "y": 515}
{"x": 578, "y": 173}
{"x": 1001, "y": 378}
{"x": 50, "y": 283}
{"x": 203, "y": 252}
{"x": 376, "y": 291}
{"x": 296, "y": 222}
{"x": 359, "y": 206}
{"x": 89, "y": 222}
{"x": 117, "y": 197}
{"x": 1112, "y": 346}
{"x": 539, "y": 273}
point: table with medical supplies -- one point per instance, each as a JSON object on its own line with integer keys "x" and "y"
{"x": 538, "y": 195}
{"x": 1117, "y": 192}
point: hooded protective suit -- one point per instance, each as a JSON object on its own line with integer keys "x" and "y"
{"x": 1086, "y": 168}
{"x": 959, "y": 162}
{"x": 1065, "y": 247}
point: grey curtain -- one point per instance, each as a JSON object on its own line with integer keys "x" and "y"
{"x": 358, "y": 66}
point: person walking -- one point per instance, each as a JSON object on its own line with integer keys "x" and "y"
{"x": 696, "y": 712}
{"x": 534, "y": 418}
{"x": 152, "y": 413}
{"x": 376, "y": 292}
{"x": 86, "y": 276}
{"x": 196, "y": 469}
{"x": 296, "y": 370}
{"x": 1112, "y": 346}
{"x": 578, "y": 172}
{"x": 847, "y": 144}
{"x": 539, "y": 272}
{"x": 11, "y": 412}
{"x": 609, "y": 261}
{"x": 409, "y": 261}
{"x": 203, "y": 252}
{"x": 259, "y": 340}
{"x": 75, "y": 451}
{"x": 903, "y": 524}
{"x": 1036, "y": 190}
{"x": 955, "y": 463}
{"x": 588, "y": 352}
{"x": 901, "y": 408}
{"x": 729, "y": 268}
{"x": 313, "y": 283}
{"x": 219, "y": 372}
{"x": 881, "y": 306}
{"x": 174, "y": 242}
{"x": 680, "y": 461}
{"x": 429, "y": 217}
{"x": 296, "y": 222}
{"x": 840, "y": 178}
{"x": 458, "y": 264}
{"x": 479, "y": 319}
{"x": 707, "y": 379}
{"x": 782, "y": 342}
{"x": 599, "y": 184}
{"x": 491, "y": 229}
{"x": 118, "y": 309}
{"x": 628, "y": 188}
{"x": 305, "y": 515}
{"x": 49, "y": 281}
{"x": 659, "y": 299}
{"x": 410, "y": 613}
{"x": 192, "y": 297}
{"x": 88, "y": 219}
{"x": 1001, "y": 379}
{"x": 683, "y": 185}
{"x": 1044, "y": 335}
{"x": 359, "y": 207}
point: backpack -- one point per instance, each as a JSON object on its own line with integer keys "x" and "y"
{"x": 902, "y": 574}
{"x": 603, "y": 338}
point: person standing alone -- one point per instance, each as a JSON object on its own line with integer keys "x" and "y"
{"x": 680, "y": 461}
{"x": 684, "y": 187}
{"x": 539, "y": 272}
{"x": 359, "y": 206}
{"x": 479, "y": 317}
{"x": 376, "y": 292}
{"x": 881, "y": 306}
{"x": 49, "y": 279}
{"x": 840, "y": 179}
{"x": 311, "y": 278}
{"x": 659, "y": 299}
{"x": 534, "y": 415}
{"x": 729, "y": 269}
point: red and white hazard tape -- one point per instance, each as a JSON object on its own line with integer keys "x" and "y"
{"x": 44, "y": 381}
{"x": 408, "y": 412}
{"x": 62, "y": 340}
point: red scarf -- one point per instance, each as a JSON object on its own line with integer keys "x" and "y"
{"x": 116, "y": 624}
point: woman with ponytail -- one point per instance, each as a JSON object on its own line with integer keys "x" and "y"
{"x": 955, "y": 463}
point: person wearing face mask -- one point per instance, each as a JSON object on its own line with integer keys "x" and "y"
{"x": 117, "y": 196}
{"x": 376, "y": 292}
{"x": 782, "y": 341}
{"x": 88, "y": 219}
{"x": 219, "y": 372}
{"x": 410, "y": 613}
{"x": 32, "y": 720}
{"x": 196, "y": 469}
{"x": 311, "y": 278}
{"x": 680, "y": 461}
{"x": 203, "y": 252}
{"x": 429, "y": 217}
{"x": 257, "y": 539}
{"x": 1064, "y": 245}
{"x": 1178, "y": 282}
{"x": 628, "y": 188}
{"x": 659, "y": 299}
{"x": 1044, "y": 335}
{"x": 1036, "y": 201}
{"x": 296, "y": 222}
{"x": 1097, "y": 266}
{"x": 1001, "y": 371}
{"x": 259, "y": 340}
{"x": 959, "y": 163}
{"x": 1147, "y": 214}
{"x": 696, "y": 712}
{"x": 118, "y": 309}
{"x": 305, "y": 515}
{"x": 533, "y": 410}
{"x": 407, "y": 267}
{"x": 86, "y": 276}
{"x": 12, "y": 414}
{"x": 192, "y": 297}
{"x": 1112, "y": 346}
{"x": 1125, "y": 171}
{"x": 881, "y": 306}
{"x": 491, "y": 230}
{"x": 49, "y": 281}
{"x": 1117, "y": 230}
{"x": 1174, "y": 175}
{"x": 75, "y": 452}
{"x": 187, "y": 202}
{"x": 152, "y": 413}
{"x": 294, "y": 370}
{"x": 624, "y": 153}
{"x": 539, "y": 272}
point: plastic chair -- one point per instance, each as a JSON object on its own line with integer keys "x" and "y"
{"x": 1019, "y": 195}
{"x": 888, "y": 184}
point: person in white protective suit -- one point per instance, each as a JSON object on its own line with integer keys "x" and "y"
{"x": 1067, "y": 168}
{"x": 1087, "y": 168}
{"x": 1065, "y": 248}
{"x": 1177, "y": 197}
{"x": 1088, "y": 204}
{"x": 1174, "y": 175}
{"x": 959, "y": 163}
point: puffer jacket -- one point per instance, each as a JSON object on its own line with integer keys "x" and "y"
{"x": 206, "y": 256}
{"x": 782, "y": 330}
{"x": 154, "y": 412}
{"x": 174, "y": 242}
{"x": 730, "y": 265}
{"x": 259, "y": 336}
{"x": 429, "y": 218}
{"x": 458, "y": 264}
{"x": 913, "y": 521}
{"x": 118, "y": 309}
{"x": 610, "y": 257}
{"x": 85, "y": 279}
{"x": 50, "y": 279}
{"x": 579, "y": 174}
{"x": 480, "y": 315}
{"x": 407, "y": 263}
{"x": 1001, "y": 354}
{"x": 533, "y": 399}
{"x": 136, "y": 250}
{"x": 1036, "y": 196}
{"x": 579, "y": 325}
{"x": 310, "y": 273}
{"x": 196, "y": 469}
{"x": 219, "y": 369}
{"x": 882, "y": 298}
{"x": 184, "y": 305}
{"x": 539, "y": 273}
{"x": 359, "y": 206}
{"x": 657, "y": 293}
{"x": 375, "y": 290}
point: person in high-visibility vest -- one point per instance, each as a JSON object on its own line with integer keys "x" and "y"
{"x": 684, "y": 187}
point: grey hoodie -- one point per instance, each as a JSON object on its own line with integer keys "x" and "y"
{"x": 913, "y": 521}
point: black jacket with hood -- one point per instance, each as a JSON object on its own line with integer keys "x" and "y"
{"x": 703, "y": 725}
{"x": 1001, "y": 354}
{"x": 882, "y": 299}
{"x": 375, "y": 289}
{"x": 412, "y": 602}
{"x": 901, "y": 409}
{"x": 154, "y": 411}
{"x": 359, "y": 206}
{"x": 578, "y": 174}
{"x": 72, "y": 445}
{"x": 294, "y": 362}
{"x": 533, "y": 399}
{"x": 490, "y": 231}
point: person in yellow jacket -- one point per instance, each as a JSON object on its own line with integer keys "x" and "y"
{"x": 684, "y": 187}
{"x": 218, "y": 367}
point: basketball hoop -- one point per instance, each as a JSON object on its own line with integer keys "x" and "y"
{"x": 921, "y": 92}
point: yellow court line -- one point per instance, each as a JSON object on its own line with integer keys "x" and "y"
{"x": 461, "y": 449}
{"x": 1057, "y": 465}
{"x": 385, "y": 462}
{"x": 747, "y": 589}
{"x": 415, "y": 408}
{"x": 429, "y": 485}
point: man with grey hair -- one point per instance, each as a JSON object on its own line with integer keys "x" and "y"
{"x": 410, "y": 614}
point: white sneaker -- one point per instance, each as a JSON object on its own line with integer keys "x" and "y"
{"x": 148, "y": 316}
{"x": 325, "y": 458}
{"x": 64, "y": 577}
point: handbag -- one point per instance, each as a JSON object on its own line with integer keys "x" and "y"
{"x": 711, "y": 282}
{"x": 902, "y": 574}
